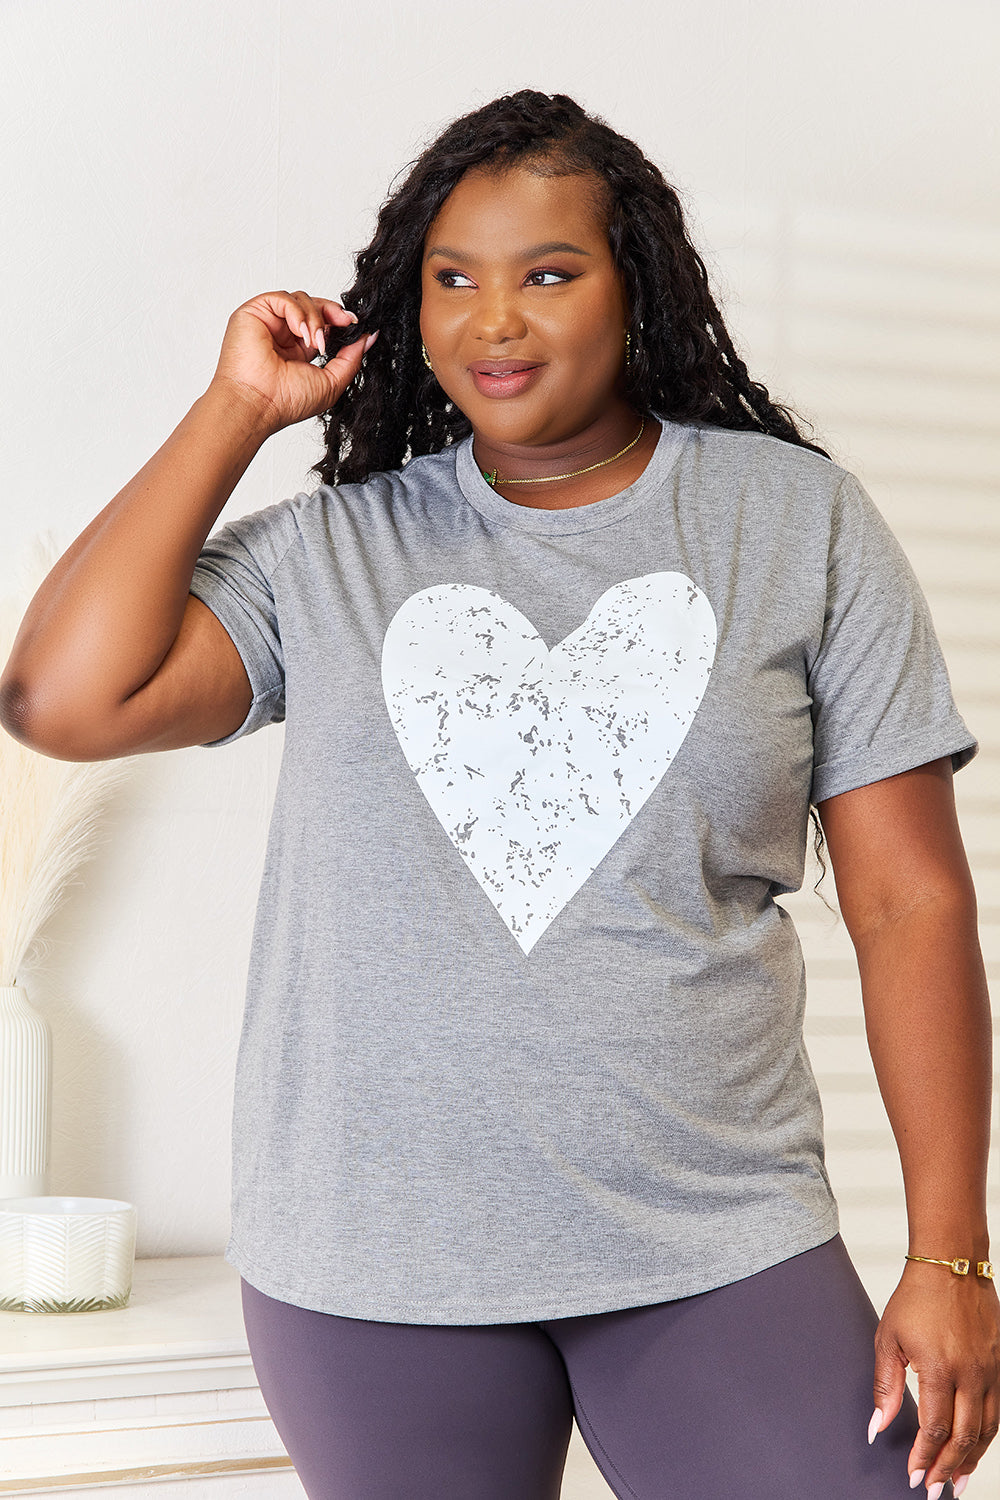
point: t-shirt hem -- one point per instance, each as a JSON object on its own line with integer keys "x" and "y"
{"x": 847, "y": 773}
{"x": 599, "y": 1298}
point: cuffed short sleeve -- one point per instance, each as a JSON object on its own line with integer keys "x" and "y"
{"x": 881, "y": 697}
{"x": 233, "y": 578}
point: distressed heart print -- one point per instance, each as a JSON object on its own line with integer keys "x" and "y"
{"x": 536, "y": 761}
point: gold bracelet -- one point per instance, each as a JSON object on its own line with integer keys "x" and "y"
{"x": 959, "y": 1266}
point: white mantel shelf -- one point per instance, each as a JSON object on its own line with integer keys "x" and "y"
{"x": 157, "y": 1397}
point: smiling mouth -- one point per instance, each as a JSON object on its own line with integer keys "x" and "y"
{"x": 498, "y": 368}
{"x": 498, "y": 379}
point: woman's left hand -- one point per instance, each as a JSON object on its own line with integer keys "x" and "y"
{"x": 947, "y": 1328}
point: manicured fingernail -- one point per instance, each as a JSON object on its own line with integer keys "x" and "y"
{"x": 936, "y": 1490}
{"x": 958, "y": 1485}
{"x": 874, "y": 1425}
{"x": 369, "y": 341}
{"x": 916, "y": 1477}
{"x": 353, "y": 317}
{"x": 321, "y": 341}
{"x": 306, "y": 336}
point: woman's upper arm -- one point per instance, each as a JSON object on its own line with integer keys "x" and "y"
{"x": 200, "y": 692}
{"x": 895, "y": 844}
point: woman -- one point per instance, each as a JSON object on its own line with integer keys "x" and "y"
{"x": 571, "y": 633}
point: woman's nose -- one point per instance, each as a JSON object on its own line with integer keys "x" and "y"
{"x": 498, "y": 317}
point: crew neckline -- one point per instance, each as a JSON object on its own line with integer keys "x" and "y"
{"x": 485, "y": 499}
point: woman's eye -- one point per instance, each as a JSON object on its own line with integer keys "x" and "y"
{"x": 547, "y": 278}
{"x": 453, "y": 278}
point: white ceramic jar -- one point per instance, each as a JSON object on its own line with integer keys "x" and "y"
{"x": 65, "y": 1254}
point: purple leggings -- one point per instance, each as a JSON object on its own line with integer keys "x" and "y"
{"x": 761, "y": 1390}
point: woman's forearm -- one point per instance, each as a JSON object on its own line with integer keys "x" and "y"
{"x": 907, "y": 898}
{"x": 929, "y": 1030}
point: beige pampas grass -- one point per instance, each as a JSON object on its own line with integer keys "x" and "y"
{"x": 50, "y": 810}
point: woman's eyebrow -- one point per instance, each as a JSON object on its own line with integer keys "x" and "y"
{"x": 550, "y": 247}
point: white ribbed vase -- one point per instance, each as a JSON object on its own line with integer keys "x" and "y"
{"x": 60, "y": 1255}
{"x": 25, "y": 1095}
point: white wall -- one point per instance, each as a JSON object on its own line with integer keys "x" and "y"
{"x": 162, "y": 163}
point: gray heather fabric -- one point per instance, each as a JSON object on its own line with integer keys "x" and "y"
{"x": 523, "y": 1032}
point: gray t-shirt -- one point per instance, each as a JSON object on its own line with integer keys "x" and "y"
{"x": 523, "y": 1031}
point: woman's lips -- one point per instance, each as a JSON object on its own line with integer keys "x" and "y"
{"x": 503, "y": 378}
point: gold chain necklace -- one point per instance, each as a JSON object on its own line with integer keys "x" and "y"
{"x": 490, "y": 475}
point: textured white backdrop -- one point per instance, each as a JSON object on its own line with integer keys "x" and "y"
{"x": 163, "y": 163}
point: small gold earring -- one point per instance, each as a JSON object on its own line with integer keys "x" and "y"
{"x": 427, "y": 358}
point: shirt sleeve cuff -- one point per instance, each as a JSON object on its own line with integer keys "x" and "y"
{"x": 267, "y": 704}
{"x": 852, "y": 770}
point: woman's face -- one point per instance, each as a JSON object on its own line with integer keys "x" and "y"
{"x": 523, "y": 310}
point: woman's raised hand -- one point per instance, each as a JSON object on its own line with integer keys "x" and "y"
{"x": 267, "y": 351}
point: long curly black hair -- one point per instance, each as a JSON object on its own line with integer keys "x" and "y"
{"x": 683, "y": 365}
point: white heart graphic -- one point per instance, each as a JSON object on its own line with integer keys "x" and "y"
{"x": 536, "y": 761}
